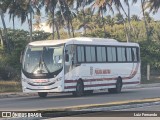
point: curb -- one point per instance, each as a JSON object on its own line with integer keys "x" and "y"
{"x": 16, "y": 94}
{"x": 93, "y": 108}
{"x": 21, "y": 94}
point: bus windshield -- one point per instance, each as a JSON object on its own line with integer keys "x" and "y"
{"x": 43, "y": 59}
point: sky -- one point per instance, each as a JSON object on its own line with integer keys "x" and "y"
{"x": 135, "y": 9}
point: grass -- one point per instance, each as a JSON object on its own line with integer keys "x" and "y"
{"x": 10, "y": 86}
{"x": 153, "y": 79}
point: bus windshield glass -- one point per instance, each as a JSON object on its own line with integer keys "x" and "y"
{"x": 43, "y": 59}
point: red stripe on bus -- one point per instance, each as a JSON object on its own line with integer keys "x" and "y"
{"x": 97, "y": 85}
{"x": 90, "y": 80}
{"x": 69, "y": 87}
{"x": 137, "y": 82}
{"x": 102, "y": 79}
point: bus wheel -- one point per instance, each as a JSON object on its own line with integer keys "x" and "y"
{"x": 42, "y": 94}
{"x": 118, "y": 87}
{"x": 88, "y": 92}
{"x": 79, "y": 89}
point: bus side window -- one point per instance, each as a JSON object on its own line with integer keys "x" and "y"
{"x": 71, "y": 51}
{"x": 109, "y": 53}
{"x": 129, "y": 55}
{"x": 137, "y": 53}
{"x": 80, "y": 54}
{"x": 134, "y": 54}
{"x": 125, "y": 54}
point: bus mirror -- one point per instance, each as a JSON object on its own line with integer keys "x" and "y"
{"x": 66, "y": 57}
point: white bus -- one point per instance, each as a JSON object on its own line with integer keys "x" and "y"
{"x": 80, "y": 65}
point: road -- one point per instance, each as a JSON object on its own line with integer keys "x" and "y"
{"x": 131, "y": 112}
{"x": 105, "y": 116}
{"x": 64, "y": 100}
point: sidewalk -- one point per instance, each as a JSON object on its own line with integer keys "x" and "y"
{"x": 21, "y": 94}
{"x": 16, "y": 94}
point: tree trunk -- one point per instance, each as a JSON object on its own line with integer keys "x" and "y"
{"x": 148, "y": 71}
{"x": 53, "y": 24}
{"x": 30, "y": 27}
{"x": 68, "y": 28}
{"x": 1, "y": 38}
{"x": 129, "y": 22}
{"x": 13, "y": 23}
{"x": 84, "y": 23}
{"x": 5, "y": 31}
{"x": 126, "y": 31}
{"x": 66, "y": 22}
{"x": 125, "y": 27}
{"x": 57, "y": 29}
{"x": 128, "y": 17}
{"x": 69, "y": 18}
{"x": 72, "y": 27}
{"x": 104, "y": 28}
{"x": 145, "y": 22}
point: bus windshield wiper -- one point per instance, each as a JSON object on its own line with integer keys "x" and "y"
{"x": 41, "y": 63}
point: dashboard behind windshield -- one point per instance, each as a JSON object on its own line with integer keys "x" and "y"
{"x": 43, "y": 59}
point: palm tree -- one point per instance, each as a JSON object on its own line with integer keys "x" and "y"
{"x": 66, "y": 6}
{"x": 145, "y": 22}
{"x": 135, "y": 18}
{"x": 81, "y": 4}
{"x": 50, "y": 23}
{"x": 24, "y": 10}
{"x": 153, "y": 5}
{"x": 3, "y": 8}
{"x": 87, "y": 24}
{"x": 128, "y": 17}
{"x": 143, "y": 3}
{"x": 12, "y": 10}
{"x": 37, "y": 24}
{"x": 119, "y": 18}
{"x": 119, "y": 6}
{"x": 110, "y": 21}
{"x": 1, "y": 38}
{"x": 50, "y": 6}
{"x": 59, "y": 22}
{"x": 147, "y": 16}
{"x": 102, "y": 6}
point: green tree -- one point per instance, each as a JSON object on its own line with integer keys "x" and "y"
{"x": 110, "y": 21}
{"x": 50, "y": 6}
{"x": 119, "y": 6}
{"x": 102, "y": 6}
{"x": 3, "y": 8}
{"x": 135, "y": 18}
{"x": 143, "y": 2}
{"x": 81, "y": 4}
{"x": 148, "y": 18}
{"x": 153, "y": 5}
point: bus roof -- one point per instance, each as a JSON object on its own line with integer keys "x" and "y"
{"x": 81, "y": 40}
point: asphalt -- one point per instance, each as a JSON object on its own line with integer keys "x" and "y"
{"x": 111, "y": 106}
{"x": 21, "y": 94}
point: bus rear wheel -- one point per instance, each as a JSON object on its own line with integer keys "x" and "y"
{"x": 42, "y": 94}
{"x": 118, "y": 87}
{"x": 79, "y": 89}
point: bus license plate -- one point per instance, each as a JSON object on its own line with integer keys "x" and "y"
{"x": 40, "y": 81}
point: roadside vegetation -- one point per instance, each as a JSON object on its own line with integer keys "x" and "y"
{"x": 74, "y": 18}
